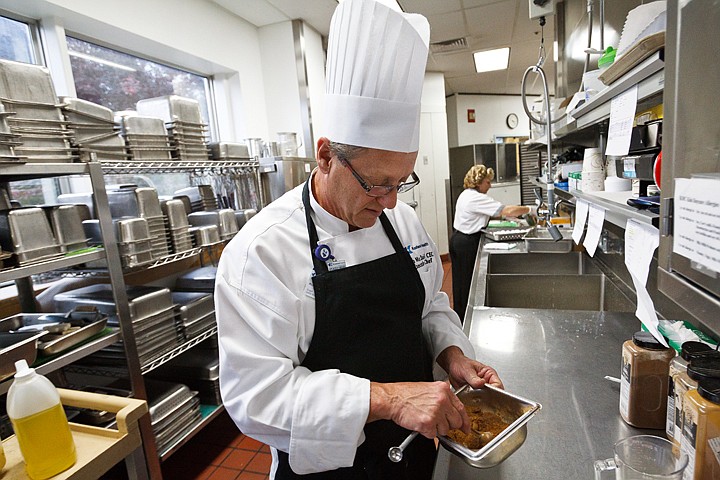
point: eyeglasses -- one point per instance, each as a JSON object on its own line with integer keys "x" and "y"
{"x": 382, "y": 190}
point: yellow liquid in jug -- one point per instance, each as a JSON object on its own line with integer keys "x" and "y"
{"x": 45, "y": 442}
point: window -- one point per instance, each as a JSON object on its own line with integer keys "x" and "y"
{"x": 16, "y": 41}
{"x": 117, "y": 80}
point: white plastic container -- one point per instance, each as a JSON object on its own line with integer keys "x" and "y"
{"x": 40, "y": 424}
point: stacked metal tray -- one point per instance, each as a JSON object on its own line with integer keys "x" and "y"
{"x": 38, "y": 131}
{"x": 26, "y": 233}
{"x": 63, "y": 331}
{"x": 66, "y": 222}
{"x": 176, "y": 225}
{"x": 152, "y": 314}
{"x": 202, "y": 197}
{"x": 195, "y": 312}
{"x": 198, "y": 369}
{"x": 224, "y": 219}
{"x": 96, "y": 134}
{"x": 186, "y": 131}
{"x": 174, "y": 411}
{"x": 145, "y": 137}
{"x": 141, "y": 202}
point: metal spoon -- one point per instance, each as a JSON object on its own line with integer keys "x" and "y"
{"x": 395, "y": 454}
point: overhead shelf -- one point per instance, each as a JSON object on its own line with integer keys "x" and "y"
{"x": 46, "y": 266}
{"x": 648, "y": 75}
{"x": 617, "y": 211}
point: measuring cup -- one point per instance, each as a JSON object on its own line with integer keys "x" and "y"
{"x": 644, "y": 457}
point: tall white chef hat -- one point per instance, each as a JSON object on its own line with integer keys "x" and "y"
{"x": 375, "y": 69}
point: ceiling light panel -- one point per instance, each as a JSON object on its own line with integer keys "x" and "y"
{"x": 491, "y": 60}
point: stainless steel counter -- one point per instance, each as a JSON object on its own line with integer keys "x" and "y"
{"x": 557, "y": 358}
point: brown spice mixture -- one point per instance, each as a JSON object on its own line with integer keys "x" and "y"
{"x": 485, "y": 427}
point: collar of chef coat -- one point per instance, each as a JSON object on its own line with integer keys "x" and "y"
{"x": 343, "y": 243}
{"x": 328, "y": 222}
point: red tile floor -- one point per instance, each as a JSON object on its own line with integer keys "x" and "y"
{"x": 221, "y": 452}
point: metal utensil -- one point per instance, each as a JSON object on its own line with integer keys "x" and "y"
{"x": 395, "y": 454}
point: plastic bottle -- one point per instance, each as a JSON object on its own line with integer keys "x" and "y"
{"x": 701, "y": 429}
{"x": 678, "y": 365}
{"x": 644, "y": 381}
{"x": 40, "y": 424}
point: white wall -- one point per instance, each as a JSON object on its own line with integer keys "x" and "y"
{"x": 433, "y": 162}
{"x": 490, "y": 114}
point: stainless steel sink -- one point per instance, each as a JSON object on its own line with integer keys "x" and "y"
{"x": 590, "y": 291}
{"x": 541, "y": 263}
{"x": 558, "y": 281}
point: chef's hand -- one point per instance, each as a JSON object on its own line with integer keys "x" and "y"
{"x": 462, "y": 369}
{"x": 430, "y": 408}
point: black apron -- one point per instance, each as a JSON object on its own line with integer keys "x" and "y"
{"x": 463, "y": 252}
{"x": 368, "y": 324}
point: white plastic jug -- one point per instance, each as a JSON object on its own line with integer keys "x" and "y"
{"x": 40, "y": 424}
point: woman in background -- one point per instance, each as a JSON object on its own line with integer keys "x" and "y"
{"x": 473, "y": 211}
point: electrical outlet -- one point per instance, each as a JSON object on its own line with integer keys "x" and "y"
{"x": 541, "y": 8}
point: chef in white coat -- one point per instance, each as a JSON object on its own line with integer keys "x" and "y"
{"x": 328, "y": 301}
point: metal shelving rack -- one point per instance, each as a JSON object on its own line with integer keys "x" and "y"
{"x": 215, "y": 167}
{"x": 21, "y": 276}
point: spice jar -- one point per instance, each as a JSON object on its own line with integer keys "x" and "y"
{"x": 678, "y": 365}
{"x": 701, "y": 431}
{"x": 644, "y": 381}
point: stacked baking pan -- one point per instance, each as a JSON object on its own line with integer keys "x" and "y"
{"x": 146, "y": 138}
{"x": 202, "y": 197}
{"x": 8, "y": 140}
{"x": 133, "y": 240}
{"x": 152, "y": 314}
{"x": 27, "y": 234}
{"x": 141, "y": 202}
{"x": 186, "y": 130}
{"x": 66, "y": 223}
{"x": 95, "y": 130}
{"x": 174, "y": 412}
{"x": 223, "y": 219}
{"x": 195, "y": 312}
{"x": 176, "y": 225}
{"x": 32, "y": 113}
{"x": 198, "y": 369}
{"x": 228, "y": 151}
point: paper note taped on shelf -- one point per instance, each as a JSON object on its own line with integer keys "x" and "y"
{"x": 696, "y": 229}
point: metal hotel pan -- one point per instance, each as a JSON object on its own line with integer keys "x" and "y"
{"x": 513, "y": 409}
{"x": 24, "y": 81}
{"x": 82, "y": 325}
{"x": 87, "y": 108}
{"x": 171, "y": 108}
{"x": 17, "y": 346}
{"x": 27, "y": 233}
{"x": 143, "y": 301}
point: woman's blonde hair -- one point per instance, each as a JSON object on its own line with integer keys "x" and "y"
{"x": 476, "y": 174}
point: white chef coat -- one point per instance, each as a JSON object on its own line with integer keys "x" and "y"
{"x": 266, "y": 314}
{"x": 473, "y": 211}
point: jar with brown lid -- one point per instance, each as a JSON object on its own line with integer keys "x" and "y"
{"x": 644, "y": 381}
{"x": 678, "y": 365}
{"x": 701, "y": 431}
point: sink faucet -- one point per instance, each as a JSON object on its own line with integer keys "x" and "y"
{"x": 550, "y": 184}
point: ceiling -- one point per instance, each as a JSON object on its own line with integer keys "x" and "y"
{"x": 483, "y": 24}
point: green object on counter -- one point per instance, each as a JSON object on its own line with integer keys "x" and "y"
{"x": 502, "y": 224}
{"x": 607, "y": 58}
{"x": 672, "y": 339}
